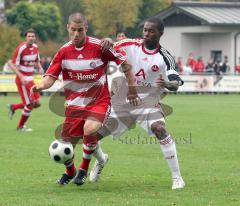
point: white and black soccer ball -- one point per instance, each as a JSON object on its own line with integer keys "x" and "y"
{"x": 61, "y": 151}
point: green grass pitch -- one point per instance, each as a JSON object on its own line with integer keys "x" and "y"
{"x": 207, "y": 131}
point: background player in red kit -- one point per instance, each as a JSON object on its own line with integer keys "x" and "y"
{"x": 83, "y": 64}
{"x": 25, "y": 58}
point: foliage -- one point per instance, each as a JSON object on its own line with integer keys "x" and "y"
{"x": 44, "y": 18}
{"x": 109, "y": 16}
{"x": 147, "y": 9}
{"x": 9, "y": 39}
{"x": 49, "y": 48}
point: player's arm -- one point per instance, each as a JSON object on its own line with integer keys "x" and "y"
{"x": 46, "y": 82}
{"x": 15, "y": 69}
{"x": 172, "y": 85}
{"x": 40, "y": 68}
{"x": 132, "y": 92}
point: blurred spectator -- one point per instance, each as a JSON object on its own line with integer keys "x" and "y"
{"x": 191, "y": 61}
{"x": 217, "y": 67}
{"x": 237, "y": 68}
{"x": 210, "y": 66}
{"x": 224, "y": 67}
{"x": 120, "y": 35}
{"x": 187, "y": 69}
{"x": 199, "y": 67}
{"x": 45, "y": 62}
{"x": 180, "y": 65}
{"x": 48, "y": 62}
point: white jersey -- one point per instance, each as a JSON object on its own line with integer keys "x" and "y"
{"x": 147, "y": 67}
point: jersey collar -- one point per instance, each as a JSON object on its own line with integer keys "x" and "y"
{"x": 150, "y": 52}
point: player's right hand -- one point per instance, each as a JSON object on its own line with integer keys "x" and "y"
{"x": 132, "y": 96}
{"x": 33, "y": 90}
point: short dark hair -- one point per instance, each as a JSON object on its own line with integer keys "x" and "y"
{"x": 77, "y": 18}
{"x": 30, "y": 31}
{"x": 158, "y": 22}
{"x": 120, "y": 31}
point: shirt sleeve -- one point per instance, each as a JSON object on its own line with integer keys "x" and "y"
{"x": 174, "y": 76}
{"x": 17, "y": 56}
{"x": 117, "y": 56}
{"x": 55, "y": 67}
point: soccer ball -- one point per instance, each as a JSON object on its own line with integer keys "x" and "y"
{"x": 61, "y": 151}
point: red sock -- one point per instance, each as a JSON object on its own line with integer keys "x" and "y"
{"x": 17, "y": 106}
{"x": 89, "y": 146}
{"x": 25, "y": 115}
{"x": 70, "y": 169}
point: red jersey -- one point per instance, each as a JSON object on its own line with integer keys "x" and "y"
{"x": 26, "y": 57}
{"x": 84, "y": 72}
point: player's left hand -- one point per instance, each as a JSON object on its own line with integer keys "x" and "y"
{"x": 41, "y": 71}
{"x": 106, "y": 44}
{"x": 132, "y": 96}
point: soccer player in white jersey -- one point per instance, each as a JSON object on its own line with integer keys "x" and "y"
{"x": 25, "y": 58}
{"x": 154, "y": 72}
{"x": 83, "y": 64}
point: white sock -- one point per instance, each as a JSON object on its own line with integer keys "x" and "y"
{"x": 170, "y": 153}
{"x": 98, "y": 153}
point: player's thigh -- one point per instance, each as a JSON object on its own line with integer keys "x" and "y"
{"x": 22, "y": 90}
{"x": 72, "y": 130}
{"x": 148, "y": 118}
{"x": 116, "y": 124}
{"x": 91, "y": 125}
{"x": 36, "y": 96}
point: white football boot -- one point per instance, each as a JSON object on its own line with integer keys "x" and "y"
{"x": 178, "y": 183}
{"x": 97, "y": 169}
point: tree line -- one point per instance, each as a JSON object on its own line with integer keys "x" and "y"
{"x": 49, "y": 19}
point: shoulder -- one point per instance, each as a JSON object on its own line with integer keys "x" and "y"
{"x": 94, "y": 42}
{"x": 165, "y": 52}
{"x": 66, "y": 47}
{"x": 129, "y": 42}
{"x": 167, "y": 57}
{"x": 35, "y": 45}
{"x": 21, "y": 46}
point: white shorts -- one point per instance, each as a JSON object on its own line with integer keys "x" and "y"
{"x": 122, "y": 119}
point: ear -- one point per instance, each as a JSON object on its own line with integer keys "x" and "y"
{"x": 67, "y": 26}
{"x": 86, "y": 27}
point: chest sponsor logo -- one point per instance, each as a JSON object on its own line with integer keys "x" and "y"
{"x": 155, "y": 68}
{"x": 80, "y": 76}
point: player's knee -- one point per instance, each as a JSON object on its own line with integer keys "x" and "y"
{"x": 158, "y": 128}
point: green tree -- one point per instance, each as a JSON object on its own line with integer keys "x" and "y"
{"x": 44, "y": 18}
{"x": 147, "y": 9}
{"x": 108, "y": 16}
{"x": 9, "y": 39}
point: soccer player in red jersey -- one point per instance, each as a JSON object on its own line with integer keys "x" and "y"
{"x": 83, "y": 64}
{"x": 25, "y": 58}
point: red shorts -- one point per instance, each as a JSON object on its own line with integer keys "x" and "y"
{"x": 72, "y": 128}
{"x": 24, "y": 92}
